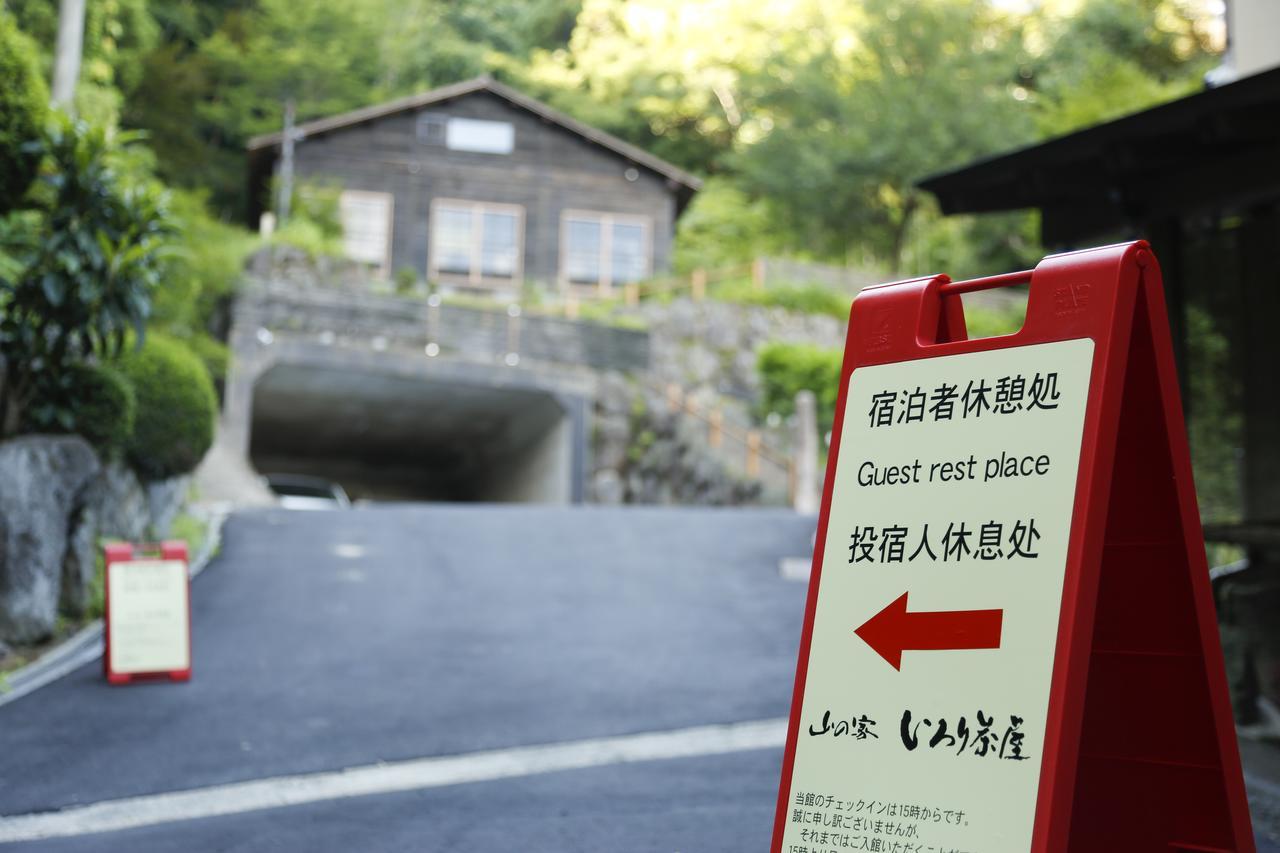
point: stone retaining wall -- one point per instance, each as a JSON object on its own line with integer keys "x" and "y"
{"x": 58, "y": 500}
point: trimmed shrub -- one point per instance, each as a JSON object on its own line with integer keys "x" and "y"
{"x": 94, "y": 401}
{"x": 106, "y": 407}
{"x": 176, "y": 408}
{"x": 212, "y": 353}
{"x": 786, "y": 369}
{"x": 24, "y": 105}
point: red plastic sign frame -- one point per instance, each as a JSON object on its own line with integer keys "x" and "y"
{"x": 1137, "y": 635}
{"x": 120, "y": 552}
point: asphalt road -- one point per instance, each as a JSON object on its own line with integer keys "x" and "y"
{"x": 463, "y": 641}
{"x": 325, "y": 641}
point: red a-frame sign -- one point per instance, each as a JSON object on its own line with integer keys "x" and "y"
{"x": 1010, "y": 642}
{"x": 147, "y": 613}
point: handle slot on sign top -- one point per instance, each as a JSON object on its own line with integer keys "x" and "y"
{"x": 953, "y": 323}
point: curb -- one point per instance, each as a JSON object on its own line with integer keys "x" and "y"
{"x": 85, "y": 645}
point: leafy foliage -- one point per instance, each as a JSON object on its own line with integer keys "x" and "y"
{"x": 799, "y": 298}
{"x": 1110, "y": 59}
{"x": 203, "y": 270}
{"x": 214, "y": 354}
{"x": 85, "y": 261}
{"x": 786, "y": 369}
{"x": 177, "y": 408}
{"x": 93, "y": 401}
{"x": 23, "y": 109}
{"x": 723, "y": 226}
{"x": 1215, "y": 425}
{"x": 853, "y": 130}
{"x": 118, "y": 34}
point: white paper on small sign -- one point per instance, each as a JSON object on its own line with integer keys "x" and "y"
{"x": 945, "y": 752}
{"x": 149, "y": 618}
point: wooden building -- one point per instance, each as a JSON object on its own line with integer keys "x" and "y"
{"x": 478, "y": 186}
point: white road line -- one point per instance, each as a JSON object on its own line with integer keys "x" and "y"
{"x": 412, "y": 775}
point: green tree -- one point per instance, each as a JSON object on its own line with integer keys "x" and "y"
{"x": 85, "y": 260}
{"x": 926, "y": 85}
{"x": 722, "y": 227}
{"x": 1109, "y": 59}
{"x": 666, "y": 74}
{"x": 24, "y": 102}
{"x": 118, "y": 34}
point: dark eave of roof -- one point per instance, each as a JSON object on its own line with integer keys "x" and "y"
{"x": 1217, "y": 147}
{"x": 639, "y": 156}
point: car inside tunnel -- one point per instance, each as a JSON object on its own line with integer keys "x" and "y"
{"x": 388, "y": 437}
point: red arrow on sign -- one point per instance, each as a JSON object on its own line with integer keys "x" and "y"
{"x": 893, "y": 630}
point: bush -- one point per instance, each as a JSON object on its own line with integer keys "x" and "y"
{"x": 93, "y": 401}
{"x": 24, "y": 101}
{"x": 798, "y": 298}
{"x": 213, "y": 354}
{"x": 204, "y": 270}
{"x": 80, "y": 271}
{"x": 106, "y": 407}
{"x": 786, "y": 369}
{"x": 176, "y": 408}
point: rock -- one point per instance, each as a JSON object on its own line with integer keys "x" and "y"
{"x": 115, "y": 505}
{"x": 43, "y": 477}
{"x": 80, "y": 562}
{"x": 121, "y": 503}
{"x": 164, "y": 502}
{"x": 613, "y": 434}
{"x": 607, "y": 487}
{"x": 614, "y": 393}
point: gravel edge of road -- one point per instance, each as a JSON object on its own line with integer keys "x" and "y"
{"x": 86, "y": 645}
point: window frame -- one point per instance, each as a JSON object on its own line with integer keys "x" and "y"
{"x": 606, "y": 220}
{"x": 383, "y": 269}
{"x": 475, "y": 277}
{"x": 457, "y": 129}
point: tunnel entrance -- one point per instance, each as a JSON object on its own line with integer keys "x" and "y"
{"x": 388, "y": 437}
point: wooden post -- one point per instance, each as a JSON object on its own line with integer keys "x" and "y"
{"x": 757, "y": 274}
{"x": 513, "y": 334}
{"x": 631, "y": 293}
{"x": 805, "y": 492}
{"x": 753, "y": 453}
{"x": 698, "y": 285}
{"x": 673, "y": 397}
{"x": 715, "y": 428}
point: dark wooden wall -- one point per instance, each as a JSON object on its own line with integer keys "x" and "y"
{"x": 549, "y": 171}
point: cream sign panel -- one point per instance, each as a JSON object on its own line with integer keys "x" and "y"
{"x": 923, "y": 715}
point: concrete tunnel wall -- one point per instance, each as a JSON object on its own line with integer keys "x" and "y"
{"x": 447, "y": 433}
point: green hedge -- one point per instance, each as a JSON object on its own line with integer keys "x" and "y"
{"x": 24, "y": 106}
{"x": 177, "y": 408}
{"x": 90, "y": 400}
{"x": 106, "y": 406}
{"x": 212, "y": 353}
{"x": 786, "y": 369}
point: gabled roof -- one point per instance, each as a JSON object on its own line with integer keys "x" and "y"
{"x": 687, "y": 183}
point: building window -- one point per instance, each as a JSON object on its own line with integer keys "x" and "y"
{"x": 431, "y": 128}
{"x": 486, "y": 137}
{"x": 366, "y": 228}
{"x": 478, "y": 242}
{"x": 604, "y": 249}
